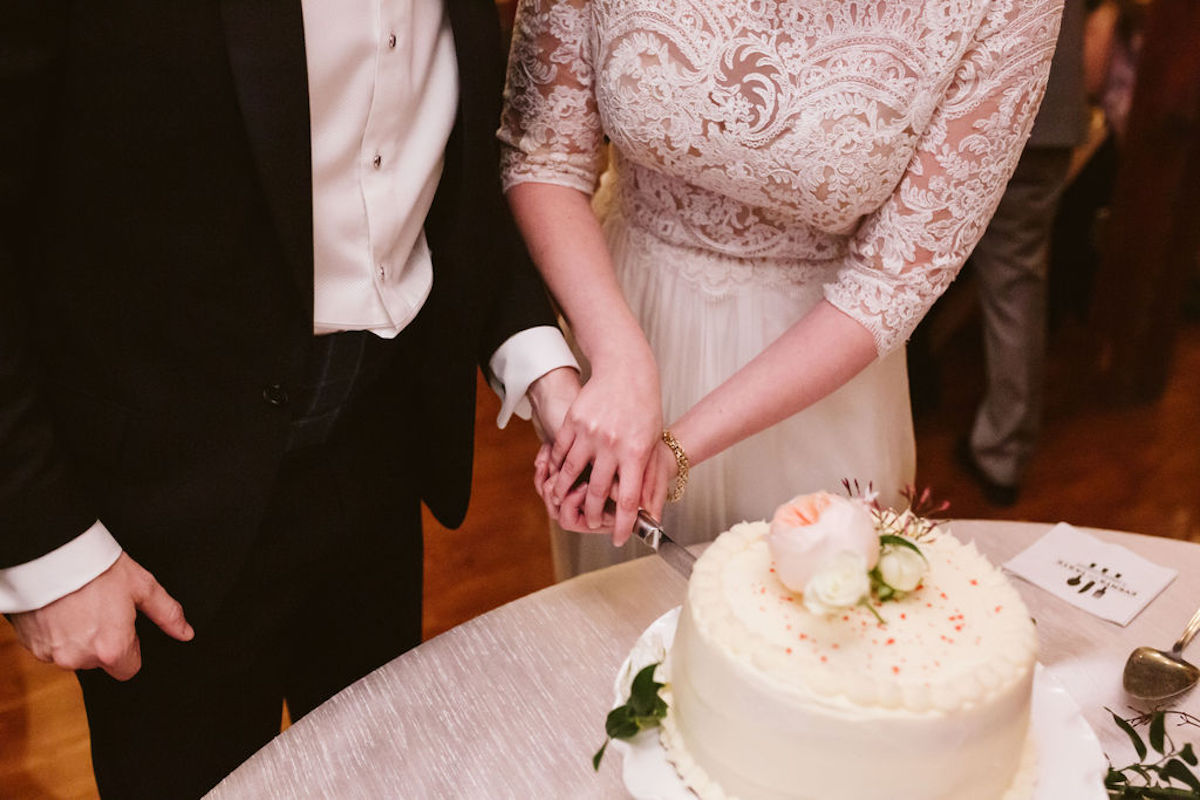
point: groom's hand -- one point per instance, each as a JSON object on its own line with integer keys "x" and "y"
{"x": 550, "y": 396}
{"x": 94, "y": 625}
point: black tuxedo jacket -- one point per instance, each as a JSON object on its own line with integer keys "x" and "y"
{"x": 156, "y": 274}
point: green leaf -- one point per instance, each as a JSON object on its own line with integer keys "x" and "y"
{"x": 599, "y": 755}
{"x": 1177, "y": 771}
{"x": 643, "y": 710}
{"x": 643, "y": 694}
{"x": 900, "y": 541}
{"x": 1188, "y": 755}
{"x": 1158, "y": 729}
{"x": 1138, "y": 745}
{"x": 620, "y": 723}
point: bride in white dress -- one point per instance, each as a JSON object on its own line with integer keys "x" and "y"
{"x": 789, "y": 187}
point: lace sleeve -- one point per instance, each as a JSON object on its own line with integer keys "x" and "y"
{"x": 550, "y": 129}
{"x": 905, "y": 254}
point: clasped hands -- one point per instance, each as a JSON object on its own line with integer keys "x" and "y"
{"x": 602, "y": 457}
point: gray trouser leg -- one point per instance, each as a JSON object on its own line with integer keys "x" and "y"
{"x": 1010, "y": 262}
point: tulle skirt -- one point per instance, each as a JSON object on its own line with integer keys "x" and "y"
{"x": 706, "y": 315}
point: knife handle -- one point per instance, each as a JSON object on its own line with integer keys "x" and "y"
{"x": 648, "y": 529}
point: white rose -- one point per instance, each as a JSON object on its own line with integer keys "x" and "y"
{"x": 840, "y": 583}
{"x": 810, "y": 530}
{"x": 902, "y": 568}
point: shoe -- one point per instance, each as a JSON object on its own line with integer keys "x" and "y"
{"x": 1001, "y": 495}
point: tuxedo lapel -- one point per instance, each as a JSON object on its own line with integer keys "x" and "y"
{"x": 266, "y": 54}
{"x": 470, "y": 163}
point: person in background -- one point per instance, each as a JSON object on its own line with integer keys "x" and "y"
{"x": 251, "y": 258}
{"x": 788, "y": 193}
{"x": 1010, "y": 265}
{"x": 1112, "y": 46}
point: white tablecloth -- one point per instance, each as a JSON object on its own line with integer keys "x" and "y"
{"x": 512, "y": 703}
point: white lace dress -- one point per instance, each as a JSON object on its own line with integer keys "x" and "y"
{"x": 766, "y": 154}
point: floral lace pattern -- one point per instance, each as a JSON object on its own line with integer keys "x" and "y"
{"x": 879, "y": 133}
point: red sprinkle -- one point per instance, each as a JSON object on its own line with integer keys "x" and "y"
{"x": 895, "y": 670}
{"x": 974, "y": 582}
{"x": 890, "y": 641}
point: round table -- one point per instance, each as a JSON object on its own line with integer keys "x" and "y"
{"x": 512, "y": 703}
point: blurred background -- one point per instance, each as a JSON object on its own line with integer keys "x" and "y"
{"x": 1119, "y": 445}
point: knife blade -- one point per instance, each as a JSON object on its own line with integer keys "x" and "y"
{"x": 650, "y": 531}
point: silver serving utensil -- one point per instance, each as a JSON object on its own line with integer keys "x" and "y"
{"x": 1152, "y": 674}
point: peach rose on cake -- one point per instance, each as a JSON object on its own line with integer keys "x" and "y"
{"x": 816, "y": 541}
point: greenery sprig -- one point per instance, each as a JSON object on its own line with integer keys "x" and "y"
{"x": 1168, "y": 777}
{"x": 644, "y": 709}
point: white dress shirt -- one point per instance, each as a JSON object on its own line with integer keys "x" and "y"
{"x": 383, "y": 94}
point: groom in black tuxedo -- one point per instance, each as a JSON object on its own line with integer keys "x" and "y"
{"x": 248, "y": 267}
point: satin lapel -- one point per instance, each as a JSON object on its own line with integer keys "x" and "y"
{"x": 476, "y": 43}
{"x": 266, "y": 54}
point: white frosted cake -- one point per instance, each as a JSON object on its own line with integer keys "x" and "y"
{"x": 769, "y": 699}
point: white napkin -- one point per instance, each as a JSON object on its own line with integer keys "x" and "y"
{"x": 1104, "y": 579}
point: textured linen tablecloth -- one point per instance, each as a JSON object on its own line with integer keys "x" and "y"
{"x": 512, "y": 704}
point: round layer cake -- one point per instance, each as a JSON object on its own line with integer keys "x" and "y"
{"x": 768, "y": 700}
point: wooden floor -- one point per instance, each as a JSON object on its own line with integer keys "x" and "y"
{"x": 1133, "y": 469}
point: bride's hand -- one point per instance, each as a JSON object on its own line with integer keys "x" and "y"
{"x": 613, "y": 426}
{"x": 661, "y": 470}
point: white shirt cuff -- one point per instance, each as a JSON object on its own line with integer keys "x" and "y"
{"x": 40, "y": 582}
{"x": 523, "y": 358}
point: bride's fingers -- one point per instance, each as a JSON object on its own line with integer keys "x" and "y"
{"x": 563, "y": 443}
{"x": 599, "y": 486}
{"x": 627, "y": 495}
{"x": 573, "y": 464}
{"x": 656, "y": 484}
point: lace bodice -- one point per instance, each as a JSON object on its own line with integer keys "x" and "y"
{"x": 878, "y": 134}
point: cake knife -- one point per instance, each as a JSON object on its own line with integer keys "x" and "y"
{"x": 650, "y": 531}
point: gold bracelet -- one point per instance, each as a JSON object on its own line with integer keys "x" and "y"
{"x": 675, "y": 491}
